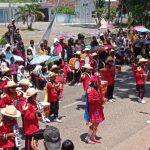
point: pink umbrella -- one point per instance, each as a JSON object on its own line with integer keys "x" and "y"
{"x": 137, "y": 27}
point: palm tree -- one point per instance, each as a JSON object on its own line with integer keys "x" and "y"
{"x": 29, "y": 13}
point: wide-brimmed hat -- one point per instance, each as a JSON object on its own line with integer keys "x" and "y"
{"x": 11, "y": 84}
{"x": 142, "y": 60}
{"x": 5, "y": 70}
{"x": 87, "y": 66}
{"x": 7, "y": 45}
{"x": 56, "y": 40}
{"x": 78, "y": 53}
{"x": 52, "y": 138}
{"x": 25, "y": 82}
{"x": 109, "y": 59}
{"x": 30, "y": 92}
{"x": 112, "y": 51}
{"x": 20, "y": 67}
{"x": 86, "y": 49}
{"x": 54, "y": 67}
{"x": 10, "y": 111}
{"x": 139, "y": 56}
{"x": 51, "y": 74}
{"x": 94, "y": 54}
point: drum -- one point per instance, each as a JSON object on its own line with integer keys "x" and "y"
{"x": 74, "y": 63}
{"x": 104, "y": 86}
{"x": 46, "y": 107}
{"x": 118, "y": 68}
{"x": 102, "y": 71}
{"x": 86, "y": 58}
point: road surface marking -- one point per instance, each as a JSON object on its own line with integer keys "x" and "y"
{"x": 71, "y": 104}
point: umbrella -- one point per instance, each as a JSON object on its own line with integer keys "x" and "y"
{"x": 39, "y": 59}
{"x": 137, "y": 27}
{"x": 143, "y": 30}
{"x": 16, "y": 57}
{"x": 52, "y": 59}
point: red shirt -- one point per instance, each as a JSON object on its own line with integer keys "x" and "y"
{"x": 109, "y": 75}
{"x": 140, "y": 76}
{"x": 22, "y": 101}
{"x": 86, "y": 80}
{"x": 6, "y": 127}
{"x": 52, "y": 92}
{"x": 31, "y": 124}
{"x": 4, "y": 100}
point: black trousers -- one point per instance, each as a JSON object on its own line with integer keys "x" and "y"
{"x": 110, "y": 91}
{"x": 55, "y": 108}
{"x": 28, "y": 139}
{"x": 11, "y": 148}
{"x": 77, "y": 75}
{"x": 141, "y": 90}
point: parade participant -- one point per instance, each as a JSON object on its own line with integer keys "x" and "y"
{"x": 42, "y": 51}
{"x": 95, "y": 109}
{"x": 53, "y": 94}
{"x": 140, "y": 79}
{"x": 87, "y": 52}
{"x": 56, "y": 48}
{"x": 94, "y": 63}
{"x": 7, "y": 140}
{"x": 86, "y": 75}
{"x": 10, "y": 90}
{"x": 30, "y": 115}
{"x": 3, "y": 62}
{"x": 109, "y": 76}
{"x": 17, "y": 36}
{"x": 112, "y": 54}
{"x": 20, "y": 73}
{"x": 32, "y": 47}
{"x": 70, "y": 49}
{"x": 94, "y": 42}
{"x": 64, "y": 46}
{"x": 4, "y": 99}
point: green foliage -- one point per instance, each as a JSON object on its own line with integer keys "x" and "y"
{"x": 99, "y": 3}
{"x": 2, "y": 40}
{"x": 64, "y": 10}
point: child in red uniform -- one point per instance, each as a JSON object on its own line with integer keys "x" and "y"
{"x": 30, "y": 115}
{"x": 109, "y": 76}
{"x": 7, "y": 136}
{"x": 53, "y": 95}
{"x": 140, "y": 79}
{"x": 95, "y": 108}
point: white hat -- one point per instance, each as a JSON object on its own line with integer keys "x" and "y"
{"x": 109, "y": 59}
{"x": 142, "y": 60}
{"x": 139, "y": 56}
{"x": 54, "y": 67}
{"x": 10, "y": 111}
{"x": 87, "y": 66}
{"x": 101, "y": 34}
{"x": 51, "y": 74}
{"x": 11, "y": 84}
{"x": 78, "y": 53}
{"x": 86, "y": 49}
{"x": 25, "y": 82}
{"x": 56, "y": 40}
{"x": 112, "y": 50}
{"x": 94, "y": 54}
{"x": 5, "y": 69}
{"x": 7, "y": 45}
{"x": 21, "y": 66}
{"x": 30, "y": 92}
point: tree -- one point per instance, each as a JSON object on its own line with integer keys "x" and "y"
{"x": 29, "y": 13}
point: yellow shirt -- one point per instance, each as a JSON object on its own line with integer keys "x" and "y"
{"x": 42, "y": 52}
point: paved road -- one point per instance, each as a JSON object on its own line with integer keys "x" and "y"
{"x": 123, "y": 119}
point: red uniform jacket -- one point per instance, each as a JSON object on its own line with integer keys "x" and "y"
{"x": 31, "y": 124}
{"x": 13, "y": 97}
{"x": 6, "y": 127}
{"x": 140, "y": 76}
{"x": 22, "y": 101}
{"x": 4, "y": 100}
{"x": 95, "y": 106}
{"x": 86, "y": 80}
{"x": 109, "y": 75}
{"x": 52, "y": 90}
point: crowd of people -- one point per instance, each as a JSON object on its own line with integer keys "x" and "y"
{"x": 94, "y": 66}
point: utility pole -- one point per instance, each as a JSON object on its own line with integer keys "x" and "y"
{"x": 109, "y": 11}
{"x": 10, "y": 16}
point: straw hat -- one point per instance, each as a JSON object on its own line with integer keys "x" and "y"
{"x": 56, "y": 40}
{"x": 109, "y": 59}
{"x": 54, "y": 67}
{"x": 139, "y": 56}
{"x": 142, "y": 60}
{"x": 5, "y": 70}
{"x": 7, "y": 45}
{"x": 87, "y": 66}
{"x": 78, "y": 53}
{"x": 25, "y": 82}
{"x": 94, "y": 54}
{"x": 51, "y": 74}
{"x": 11, "y": 84}
{"x": 30, "y": 92}
{"x": 86, "y": 49}
{"x": 112, "y": 51}
{"x": 11, "y": 111}
{"x": 20, "y": 67}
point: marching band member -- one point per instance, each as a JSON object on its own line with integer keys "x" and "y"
{"x": 30, "y": 116}
{"x": 86, "y": 75}
{"x": 95, "y": 109}
{"x": 109, "y": 76}
{"x": 10, "y": 113}
{"x": 87, "y": 52}
{"x": 140, "y": 79}
{"x": 11, "y": 92}
{"x": 94, "y": 63}
{"x": 53, "y": 94}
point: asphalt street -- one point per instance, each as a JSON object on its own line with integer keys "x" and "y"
{"x": 123, "y": 118}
